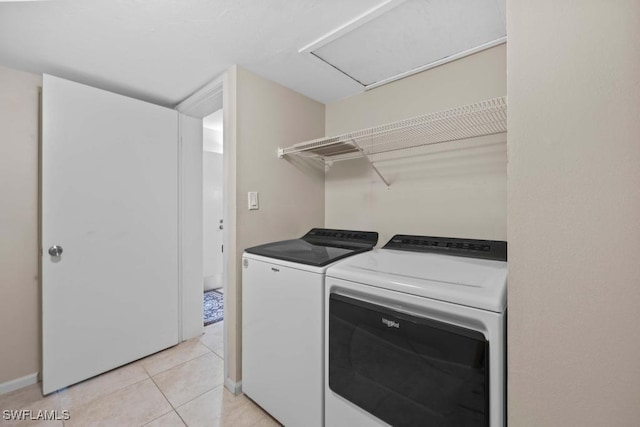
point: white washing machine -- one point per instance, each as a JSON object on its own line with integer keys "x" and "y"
{"x": 283, "y": 321}
{"x": 415, "y": 334}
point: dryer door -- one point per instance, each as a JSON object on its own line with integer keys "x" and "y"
{"x": 407, "y": 370}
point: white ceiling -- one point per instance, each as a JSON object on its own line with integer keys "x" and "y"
{"x": 164, "y": 50}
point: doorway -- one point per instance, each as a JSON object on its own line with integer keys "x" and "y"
{"x": 212, "y": 218}
{"x": 209, "y": 99}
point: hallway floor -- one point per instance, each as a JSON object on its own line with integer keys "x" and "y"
{"x": 175, "y": 387}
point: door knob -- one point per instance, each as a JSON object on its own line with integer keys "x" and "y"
{"x": 55, "y": 250}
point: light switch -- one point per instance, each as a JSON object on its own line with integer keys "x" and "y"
{"x": 253, "y": 200}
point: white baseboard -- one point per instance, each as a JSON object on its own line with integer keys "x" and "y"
{"x": 232, "y": 386}
{"x": 12, "y": 385}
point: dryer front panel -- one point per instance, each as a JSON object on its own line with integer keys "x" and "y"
{"x": 407, "y": 370}
{"x": 403, "y": 360}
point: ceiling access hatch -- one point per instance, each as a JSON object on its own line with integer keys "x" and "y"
{"x": 402, "y": 37}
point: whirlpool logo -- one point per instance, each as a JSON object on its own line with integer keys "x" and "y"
{"x": 390, "y": 323}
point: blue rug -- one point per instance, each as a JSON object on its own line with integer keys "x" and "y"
{"x": 213, "y": 307}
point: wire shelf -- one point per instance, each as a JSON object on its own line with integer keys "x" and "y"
{"x": 483, "y": 118}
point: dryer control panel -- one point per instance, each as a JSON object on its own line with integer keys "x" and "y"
{"x": 484, "y": 249}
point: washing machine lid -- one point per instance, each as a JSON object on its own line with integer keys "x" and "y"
{"x": 460, "y": 271}
{"x": 319, "y": 247}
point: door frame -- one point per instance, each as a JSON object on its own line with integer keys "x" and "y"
{"x": 208, "y": 99}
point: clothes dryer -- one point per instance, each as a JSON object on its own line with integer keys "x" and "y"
{"x": 415, "y": 334}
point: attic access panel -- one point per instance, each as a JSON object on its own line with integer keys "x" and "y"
{"x": 413, "y": 35}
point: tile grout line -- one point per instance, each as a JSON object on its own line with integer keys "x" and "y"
{"x": 175, "y": 409}
{"x": 168, "y": 401}
{"x": 92, "y": 401}
{"x": 201, "y": 394}
{"x": 183, "y": 363}
{"x": 163, "y": 395}
{"x": 149, "y": 376}
{"x": 210, "y": 349}
{"x": 58, "y": 394}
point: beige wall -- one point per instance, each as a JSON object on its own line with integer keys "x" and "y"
{"x": 291, "y": 193}
{"x": 574, "y": 213}
{"x": 19, "y": 287}
{"x": 456, "y": 189}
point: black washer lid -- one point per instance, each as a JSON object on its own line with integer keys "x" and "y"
{"x": 483, "y": 249}
{"x": 319, "y": 247}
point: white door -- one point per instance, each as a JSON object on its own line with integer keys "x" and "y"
{"x": 109, "y": 200}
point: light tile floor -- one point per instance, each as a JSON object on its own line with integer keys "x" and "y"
{"x": 175, "y": 387}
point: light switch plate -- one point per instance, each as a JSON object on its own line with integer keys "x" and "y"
{"x": 252, "y": 197}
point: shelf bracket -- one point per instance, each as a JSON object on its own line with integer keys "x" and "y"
{"x": 373, "y": 166}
